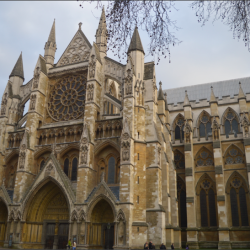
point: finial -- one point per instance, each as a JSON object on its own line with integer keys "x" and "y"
{"x": 165, "y": 95}
{"x": 80, "y": 26}
{"x": 160, "y": 83}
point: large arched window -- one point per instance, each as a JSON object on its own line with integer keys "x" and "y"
{"x": 74, "y": 170}
{"x": 233, "y": 155}
{"x": 205, "y": 125}
{"x": 231, "y": 122}
{"x": 178, "y": 128}
{"x": 204, "y": 158}
{"x": 238, "y": 201}
{"x": 206, "y": 192}
{"x": 111, "y": 170}
{"x": 66, "y": 166}
{"x": 181, "y": 192}
{"x": 179, "y": 159}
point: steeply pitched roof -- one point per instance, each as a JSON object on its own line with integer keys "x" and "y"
{"x": 203, "y": 91}
{"x": 18, "y": 68}
{"x": 135, "y": 43}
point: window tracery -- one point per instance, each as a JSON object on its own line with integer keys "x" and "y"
{"x": 234, "y": 155}
{"x": 204, "y": 158}
{"x": 179, "y": 159}
{"x": 67, "y": 98}
{"x": 178, "y": 128}
{"x": 205, "y": 125}
{"x": 238, "y": 201}
{"x": 181, "y": 194}
{"x": 206, "y": 191}
{"x": 231, "y": 122}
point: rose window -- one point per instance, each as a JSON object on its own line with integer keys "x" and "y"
{"x": 67, "y": 98}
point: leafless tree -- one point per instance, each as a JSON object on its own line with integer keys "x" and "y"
{"x": 235, "y": 14}
{"x": 122, "y": 16}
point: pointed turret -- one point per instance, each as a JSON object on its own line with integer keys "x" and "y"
{"x": 212, "y": 96}
{"x": 101, "y": 34}
{"x": 241, "y": 93}
{"x": 18, "y": 68}
{"x": 50, "y": 46}
{"x": 160, "y": 94}
{"x": 186, "y": 100}
{"x": 135, "y": 43}
{"x": 166, "y": 103}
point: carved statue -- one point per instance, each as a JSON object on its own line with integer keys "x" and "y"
{"x": 128, "y": 81}
{"x": 245, "y": 124}
{"x": 159, "y": 156}
{"x": 22, "y": 160}
{"x": 90, "y": 93}
{"x": 215, "y": 129}
{"x": 92, "y": 65}
{"x": 36, "y": 78}
{"x": 187, "y": 131}
{"x": 33, "y": 102}
{"x": 4, "y": 104}
{"x": 84, "y": 156}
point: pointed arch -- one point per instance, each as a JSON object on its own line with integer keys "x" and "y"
{"x": 177, "y": 128}
{"x": 175, "y": 119}
{"x": 236, "y": 190}
{"x": 204, "y": 157}
{"x": 203, "y": 112}
{"x": 68, "y": 148}
{"x": 179, "y": 159}
{"x": 234, "y": 155}
{"x": 203, "y": 125}
{"x": 82, "y": 216}
{"x": 104, "y": 144}
{"x": 42, "y": 151}
{"x": 201, "y": 179}
{"x": 95, "y": 201}
{"x": 11, "y": 155}
{"x": 230, "y": 121}
{"x": 74, "y": 216}
{"x": 181, "y": 196}
{"x": 120, "y": 216}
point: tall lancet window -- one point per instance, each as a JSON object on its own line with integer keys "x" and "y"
{"x": 111, "y": 170}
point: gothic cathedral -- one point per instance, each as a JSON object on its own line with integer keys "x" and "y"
{"x": 105, "y": 158}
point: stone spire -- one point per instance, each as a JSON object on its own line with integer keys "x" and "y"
{"x": 135, "y": 43}
{"x": 52, "y": 34}
{"x": 160, "y": 95}
{"x": 50, "y": 46}
{"x": 101, "y": 33}
{"x": 18, "y": 68}
{"x": 166, "y": 103}
{"x": 241, "y": 93}
{"x": 212, "y": 96}
{"x": 186, "y": 100}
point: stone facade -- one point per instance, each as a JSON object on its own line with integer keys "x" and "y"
{"x": 103, "y": 158}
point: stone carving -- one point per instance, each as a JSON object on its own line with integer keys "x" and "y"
{"x": 103, "y": 176}
{"x": 125, "y": 151}
{"x": 84, "y": 156}
{"x": 159, "y": 156}
{"x": 22, "y": 160}
{"x": 128, "y": 81}
{"x": 92, "y": 65}
{"x": 4, "y": 104}
{"x": 33, "y": 102}
{"x": 215, "y": 129}
{"x": 74, "y": 216}
{"x": 187, "y": 130}
{"x": 245, "y": 124}
{"x": 90, "y": 94}
{"x": 125, "y": 144}
{"x": 49, "y": 168}
{"x": 36, "y": 78}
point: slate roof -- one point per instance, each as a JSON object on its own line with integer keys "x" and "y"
{"x": 203, "y": 91}
{"x": 135, "y": 43}
{"x": 18, "y": 68}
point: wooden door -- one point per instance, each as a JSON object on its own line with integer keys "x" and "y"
{"x": 50, "y": 236}
{"x": 63, "y": 233}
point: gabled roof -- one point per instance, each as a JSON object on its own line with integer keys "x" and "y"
{"x": 135, "y": 43}
{"x": 18, "y": 68}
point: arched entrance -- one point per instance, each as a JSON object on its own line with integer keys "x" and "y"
{"x": 101, "y": 231}
{"x": 47, "y": 219}
{"x": 3, "y": 221}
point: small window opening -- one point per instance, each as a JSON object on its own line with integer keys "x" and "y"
{"x": 137, "y": 229}
{"x": 138, "y": 199}
{"x": 138, "y": 156}
{"x": 138, "y": 135}
{"x": 138, "y": 179}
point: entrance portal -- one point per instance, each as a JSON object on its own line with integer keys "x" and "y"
{"x": 102, "y": 226}
{"x": 47, "y": 218}
{"x": 3, "y": 221}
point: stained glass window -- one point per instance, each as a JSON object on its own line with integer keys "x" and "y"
{"x": 212, "y": 208}
{"x": 179, "y": 133}
{"x": 243, "y": 207}
{"x": 231, "y": 123}
{"x": 66, "y": 166}
{"x": 111, "y": 170}
{"x": 179, "y": 159}
{"x": 202, "y": 130}
{"x": 74, "y": 170}
{"x": 205, "y": 125}
{"x": 42, "y": 164}
{"x": 234, "y": 208}
{"x": 227, "y": 127}
{"x": 204, "y": 158}
{"x": 234, "y": 155}
{"x": 183, "y": 208}
{"x": 203, "y": 208}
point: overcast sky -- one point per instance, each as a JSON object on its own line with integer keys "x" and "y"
{"x": 206, "y": 54}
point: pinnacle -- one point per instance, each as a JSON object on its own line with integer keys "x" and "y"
{"x": 212, "y": 96}
{"x": 166, "y": 103}
{"x": 241, "y": 93}
{"x": 135, "y": 43}
{"x": 186, "y": 100}
{"x": 52, "y": 34}
{"x": 18, "y": 68}
{"x": 160, "y": 95}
